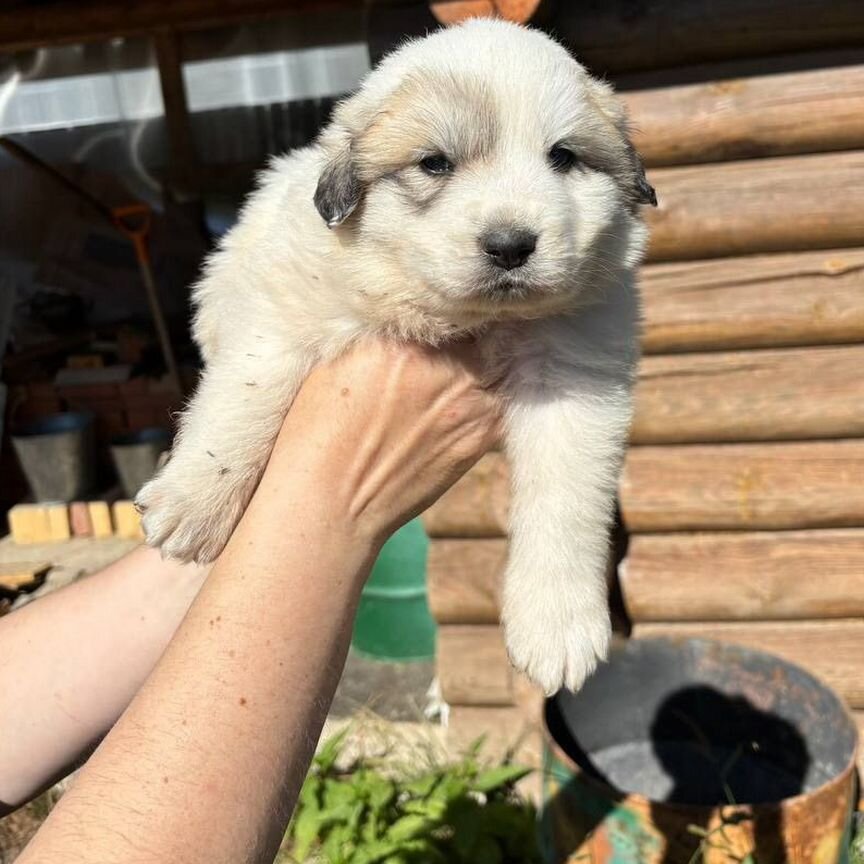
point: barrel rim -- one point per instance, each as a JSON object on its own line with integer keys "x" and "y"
{"x": 640, "y": 799}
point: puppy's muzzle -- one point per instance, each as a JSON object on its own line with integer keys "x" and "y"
{"x": 508, "y": 248}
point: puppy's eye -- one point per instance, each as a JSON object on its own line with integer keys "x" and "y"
{"x": 561, "y": 159}
{"x": 437, "y": 163}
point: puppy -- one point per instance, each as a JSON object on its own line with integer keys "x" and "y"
{"x": 479, "y": 182}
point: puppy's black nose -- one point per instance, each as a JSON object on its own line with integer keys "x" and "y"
{"x": 508, "y": 248}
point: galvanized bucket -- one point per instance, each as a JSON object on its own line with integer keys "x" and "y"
{"x": 56, "y": 455}
{"x": 688, "y": 751}
{"x": 136, "y": 456}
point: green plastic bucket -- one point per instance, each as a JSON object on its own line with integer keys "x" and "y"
{"x": 393, "y": 620}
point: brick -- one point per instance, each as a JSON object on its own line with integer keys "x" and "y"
{"x": 127, "y": 522}
{"x": 58, "y": 521}
{"x": 29, "y": 523}
{"x": 100, "y": 518}
{"x": 79, "y": 519}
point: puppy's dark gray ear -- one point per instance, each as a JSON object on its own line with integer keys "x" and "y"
{"x": 339, "y": 189}
{"x": 645, "y": 193}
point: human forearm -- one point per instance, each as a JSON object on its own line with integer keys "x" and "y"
{"x": 206, "y": 762}
{"x": 234, "y": 710}
{"x": 71, "y": 662}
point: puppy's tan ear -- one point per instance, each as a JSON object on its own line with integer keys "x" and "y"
{"x": 633, "y": 175}
{"x": 339, "y": 189}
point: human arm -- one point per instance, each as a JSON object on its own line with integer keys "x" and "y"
{"x": 206, "y": 762}
{"x": 71, "y": 662}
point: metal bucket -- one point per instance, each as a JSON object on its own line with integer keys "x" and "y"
{"x": 694, "y": 751}
{"x": 56, "y": 455}
{"x": 136, "y": 457}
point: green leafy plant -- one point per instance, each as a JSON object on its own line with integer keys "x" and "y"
{"x": 453, "y": 813}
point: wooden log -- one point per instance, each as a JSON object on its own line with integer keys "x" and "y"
{"x": 804, "y": 298}
{"x": 760, "y": 205}
{"x": 476, "y": 506}
{"x": 831, "y": 650}
{"x": 473, "y": 667}
{"x": 744, "y": 487}
{"x": 612, "y": 35}
{"x": 785, "y": 394}
{"x": 744, "y": 576}
{"x": 744, "y": 118}
{"x": 92, "y": 20}
{"x": 464, "y": 578}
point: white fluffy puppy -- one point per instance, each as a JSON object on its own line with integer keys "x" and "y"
{"x": 480, "y": 181}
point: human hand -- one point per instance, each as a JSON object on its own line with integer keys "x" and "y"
{"x": 388, "y": 427}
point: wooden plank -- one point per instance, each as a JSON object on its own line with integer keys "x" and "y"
{"x": 744, "y": 487}
{"x": 65, "y": 21}
{"x": 464, "y": 578}
{"x": 785, "y": 394}
{"x": 476, "y": 506}
{"x": 744, "y": 576}
{"x": 759, "y": 205}
{"x": 612, "y": 35}
{"x": 802, "y": 298}
{"x": 473, "y": 667}
{"x": 831, "y": 650}
{"x": 184, "y": 166}
{"x": 744, "y": 118}
{"x": 15, "y": 575}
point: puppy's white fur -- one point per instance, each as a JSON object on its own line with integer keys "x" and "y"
{"x": 403, "y": 258}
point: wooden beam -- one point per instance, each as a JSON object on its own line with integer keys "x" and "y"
{"x": 761, "y": 205}
{"x": 464, "y": 578}
{"x": 769, "y": 395}
{"x": 744, "y": 487}
{"x": 185, "y": 167}
{"x": 616, "y": 35}
{"x": 476, "y": 506}
{"x": 64, "y": 21}
{"x": 760, "y": 301}
{"x": 831, "y": 650}
{"x": 743, "y": 118}
{"x": 744, "y": 575}
{"x": 473, "y": 667}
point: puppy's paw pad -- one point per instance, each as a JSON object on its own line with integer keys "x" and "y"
{"x": 557, "y": 650}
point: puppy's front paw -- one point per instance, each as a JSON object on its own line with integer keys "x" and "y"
{"x": 189, "y": 517}
{"x": 555, "y": 642}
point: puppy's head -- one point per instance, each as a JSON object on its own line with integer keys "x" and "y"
{"x": 488, "y": 170}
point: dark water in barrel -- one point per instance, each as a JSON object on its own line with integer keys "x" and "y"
{"x": 685, "y": 773}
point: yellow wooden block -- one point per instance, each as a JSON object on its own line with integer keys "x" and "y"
{"x": 127, "y": 522}
{"x": 29, "y": 523}
{"x": 100, "y": 518}
{"x": 58, "y": 521}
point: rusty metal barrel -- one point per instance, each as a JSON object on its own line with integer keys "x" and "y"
{"x": 683, "y": 751}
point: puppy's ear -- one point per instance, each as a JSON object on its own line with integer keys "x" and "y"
{"x": 339, "y": 189}
{"x": 645, "y": 193}
{"x": 632, "y": 173}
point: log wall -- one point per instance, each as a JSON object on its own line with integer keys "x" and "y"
{"x": 743, "y": 489}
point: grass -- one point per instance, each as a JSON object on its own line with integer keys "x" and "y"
{"x": 451, "y": 813}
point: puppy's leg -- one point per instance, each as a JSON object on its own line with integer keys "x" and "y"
{"x": 567, "y": 429}
{"x": 226, "y": 434}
